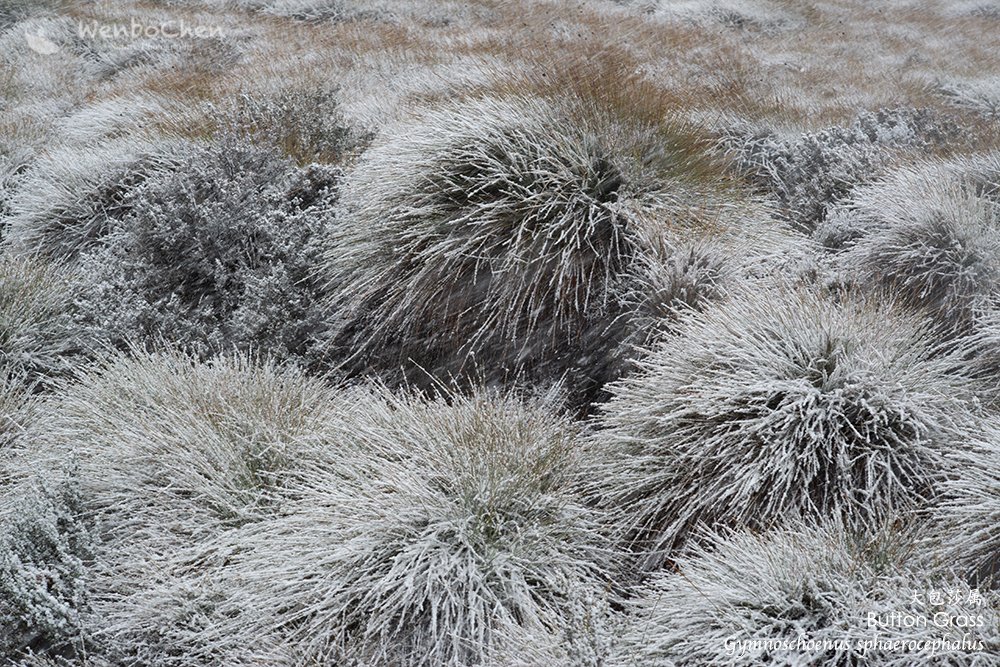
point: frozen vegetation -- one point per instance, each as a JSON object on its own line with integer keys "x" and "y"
{"x": 499, "y": 333}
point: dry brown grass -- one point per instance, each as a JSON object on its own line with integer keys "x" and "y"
{"x": 845, "y": 57}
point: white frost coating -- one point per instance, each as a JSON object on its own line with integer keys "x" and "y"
{"x": 433, "y": 534}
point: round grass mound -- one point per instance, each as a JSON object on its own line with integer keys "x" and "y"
{"x": 810, "y": 595}
{"x": 775, "y": 403}
{"x": 445, "y": 533}
{"x": 931, "y": 235}
{"x": 170, "y": 449}
{"x": 69, "y": 199}
{"x": 495, "y": 239}
{"x": 164, "y": 454}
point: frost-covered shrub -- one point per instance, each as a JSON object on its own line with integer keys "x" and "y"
{"x": 495, "y": 239}
{"x": 214, "y": 256}
{"x": 37, "y": 336}
{"x": 440, "y": 533}
{"x": 931, "y": 237}
{"x": 809, "y": 585}
{"x": 45, "y": 543}
{"x": 810, "y": 173}
{"x": 305, "y": 124}
{"x": 69, "y": 198}
{"x": 966, "y": 520}
{"x": 776, "y": 403}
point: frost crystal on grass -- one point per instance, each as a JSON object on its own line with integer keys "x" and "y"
{"x": 37, "y": 335}
{"x": 436, "y": 534}
{"x": 966, "y": 521}
{"x": 69, "y": 199}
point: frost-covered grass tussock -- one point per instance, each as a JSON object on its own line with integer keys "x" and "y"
{"x": 67, "y": 200}
{"x": 497, "y": 333}
{"x": 774, "y": 404}
{"x": 431, "y": 534}
{"x": 498, "y": 239}
{"x": 149, "y": 457}
{"x": 169, "y": 449}
{"x": 819, "y": 594}
{"x": 38, "y": 338}
{"x": 931, "y": 236}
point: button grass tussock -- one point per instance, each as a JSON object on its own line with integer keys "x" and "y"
{"x": 419, "y": 532}
{"x": 38, "y": 337}
{"x": 68, "y": 199}
{"x": 779, "y": 403}
{"x": 966, "y": 532}
{"x": 931, "y": 235}
{"x": 490, "y": 238}
{"x": 445, "y": 532}
{"x": 162, "y": 453}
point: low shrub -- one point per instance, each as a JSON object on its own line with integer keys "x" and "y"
{"x": 45, "y": 544}
{"x": 215, "y": 256}
{"x": 812, "y": 173}
{"x": 305, "y": 124}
